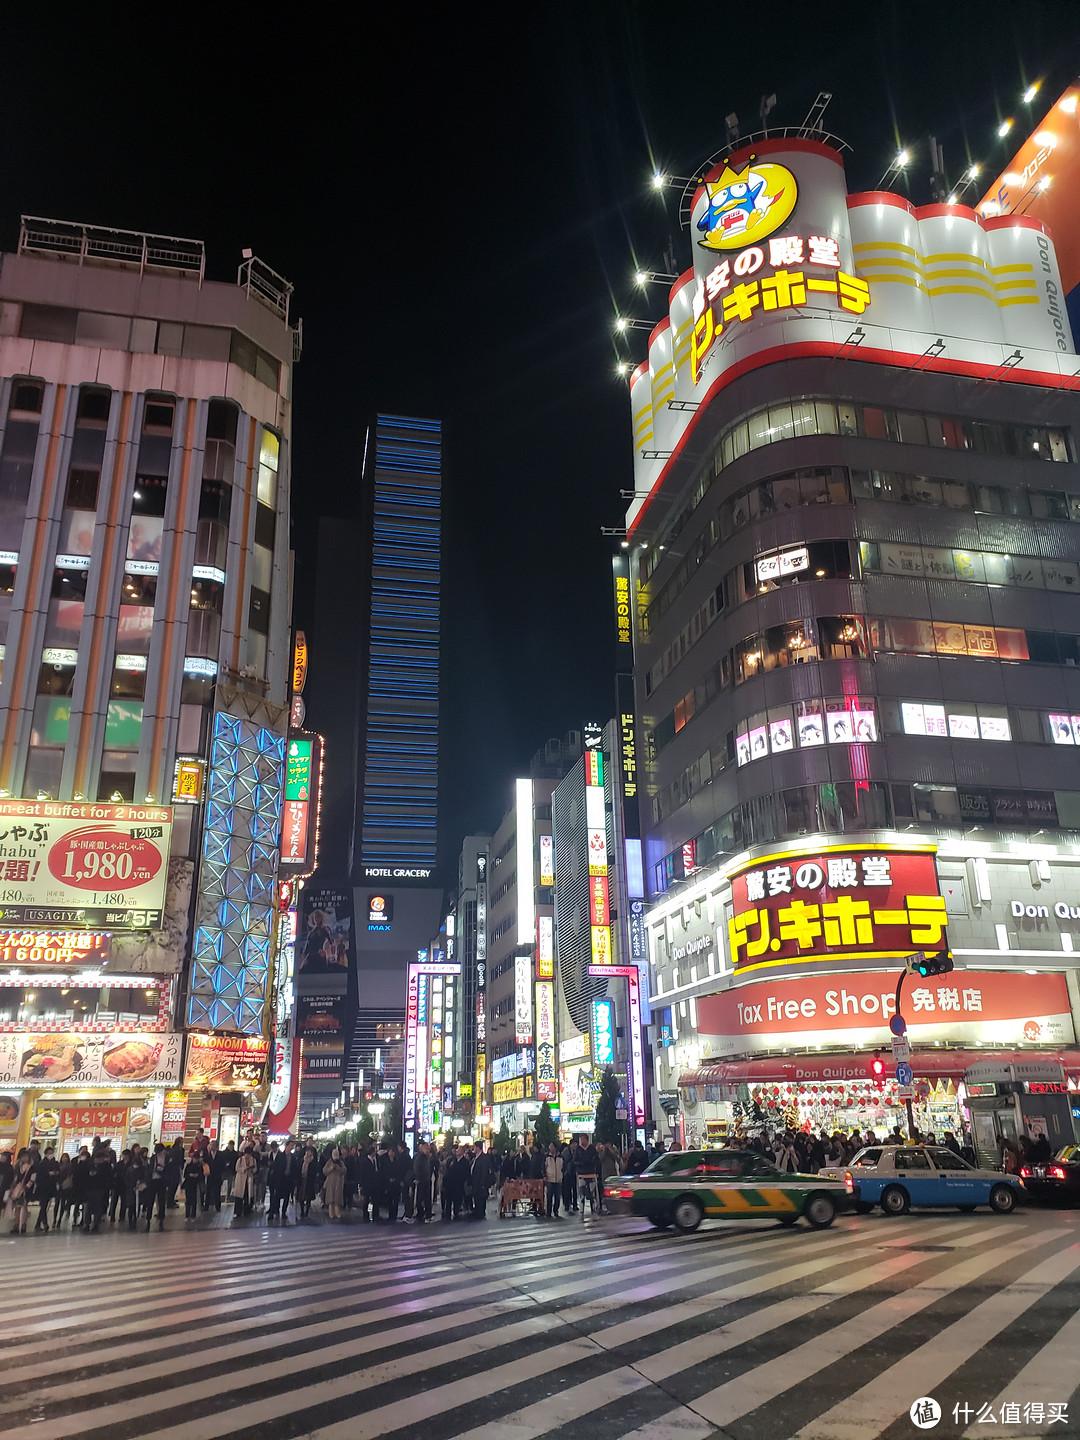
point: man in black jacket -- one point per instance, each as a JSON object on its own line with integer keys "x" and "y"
{"x": 279, "y": 1176}
{"x": 422, "y": 1173}
{"x": 481, "y": 1182}
{"x": 367, "y": 1177}
{"x": 587, "y": 1166}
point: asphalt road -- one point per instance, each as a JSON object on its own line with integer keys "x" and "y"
{"x": 506, "y": 1330}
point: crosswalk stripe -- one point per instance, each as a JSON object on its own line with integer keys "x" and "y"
{"x": 643, "y": 1325}
{"x": 678, "y": 1424}
{"x": 1050, "y": 1374}
{"x": 876, "y": 1406}
{"x": 159, "y": 1369}
{"x": 763, "y": 1383}
{"x": 561, "y": 1408}
{"x": 371, "y": 1424}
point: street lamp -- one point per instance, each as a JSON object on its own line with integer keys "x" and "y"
{"x": 376, "y": 1108}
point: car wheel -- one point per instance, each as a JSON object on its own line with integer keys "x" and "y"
{"x": 966, "y": 1209}
{"x": 660, "y": 1221}
{"x": 863, "y": 1207}
{"x": 820, "y": 1211}
{"x": 1002, "y": 1200}
{"x": 895, "y": 1200}
{"x": 687, "y": 1214}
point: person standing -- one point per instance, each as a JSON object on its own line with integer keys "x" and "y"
{"x": 158, "y": 1186}
{"x": 587, "y": 1168}
{"x": 243, "y": 1186}
{"x": 569, "y": 1172}
{"x": 216, "y": 1164}
{"x": 309, "y": 1175}
{"x": 610, "y": 1164}
{"x": 21, "y": 1192}
{"x": 280, "y": 1182}
{"x": 134, "y": 1184}
{"x": 553, "y": 1180}
{"x": 367, "y": 1180}
{"x": 334, "y": 1184}
{"x": 422, "y": 1172}
{"x": 193, "y": 1183}
{"x": 45, "y": 1186}
{"x": 481, "y": 1183}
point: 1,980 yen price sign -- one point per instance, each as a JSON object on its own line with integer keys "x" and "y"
{"x": 83, "y": 864}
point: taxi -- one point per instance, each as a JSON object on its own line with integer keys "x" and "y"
{"x": 684, "y": 1187}
{"x": 899, "y": 1176}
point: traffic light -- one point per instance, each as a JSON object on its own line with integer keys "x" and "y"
{"x": 940, "y": 962}
{"x": 877, "y": 1066}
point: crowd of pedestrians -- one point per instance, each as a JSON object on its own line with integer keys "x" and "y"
{"x": 376, "y": 1182}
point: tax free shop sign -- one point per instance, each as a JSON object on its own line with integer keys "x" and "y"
{"x": 964, "y": 1007}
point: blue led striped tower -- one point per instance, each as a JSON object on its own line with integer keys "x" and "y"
{"x": 401, "y": 755}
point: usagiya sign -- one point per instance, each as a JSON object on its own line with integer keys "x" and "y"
{"x": 966, "y": 1006}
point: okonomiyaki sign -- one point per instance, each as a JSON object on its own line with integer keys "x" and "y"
{"x": 838, "y": 903}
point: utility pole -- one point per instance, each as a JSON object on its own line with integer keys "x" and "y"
{"x": 924, "y": 965}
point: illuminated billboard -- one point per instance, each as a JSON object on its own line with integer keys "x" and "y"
{"x": 523, "y": 1016}
{"x": 596, "y": 830}
{"x": 843, "y": 902}
{"x": 83, "y": 864}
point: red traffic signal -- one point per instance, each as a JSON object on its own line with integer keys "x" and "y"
{"x": 877, "y": 1065}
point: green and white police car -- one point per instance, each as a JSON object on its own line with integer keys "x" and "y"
{"x": 684, "y": 1187}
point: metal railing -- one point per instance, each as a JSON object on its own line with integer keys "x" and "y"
{"x": 130, "y": 248}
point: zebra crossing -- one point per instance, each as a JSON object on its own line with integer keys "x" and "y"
{"x": 521, "y": 1329}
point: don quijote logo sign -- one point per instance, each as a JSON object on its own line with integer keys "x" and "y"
{"x": 693, "y": 947}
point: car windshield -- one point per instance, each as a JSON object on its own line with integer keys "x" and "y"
{"x": 675, "y": 1160}
{"x": 946, "y": 1160}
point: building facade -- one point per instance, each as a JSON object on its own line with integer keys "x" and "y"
{"x": 145, "y": 624}
{"x": 857, "y": 627}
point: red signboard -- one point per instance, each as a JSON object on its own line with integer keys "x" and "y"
{"x": 294, "y": 831}
{"x": 94, "y": 1118}
{"x": 965, "y": 1006}
{"x": 843, "y": 902}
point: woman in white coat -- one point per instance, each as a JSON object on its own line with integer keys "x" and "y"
{"x": 334, "y": 1184}
{"x": 243, "y": 1186}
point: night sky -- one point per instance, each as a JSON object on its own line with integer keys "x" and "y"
{"x": 460, "y": 196}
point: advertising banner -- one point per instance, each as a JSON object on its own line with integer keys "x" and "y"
{"x": 83, "y": 864}
{"x": 547, "y": 860}
{"x": 72, "y": 1058}
{"x": 547, "y": 1085}
{"x": 174, "y": 1116}
{"x": 603, "y": 1032}
{"x": 523, "y": 1018}
{"x": 284, "y": 1089}
{"x": 965, "y": 1006}
{"x": 225, "y": 1062}
{"x": 545, "y": 949}
{"x": 842, "y": 903}
{"x": 53, "y": 947}
{"x": 326, "y": 938}
{"x": 10, "y": 1110}
{"x": 321, "y": 1016}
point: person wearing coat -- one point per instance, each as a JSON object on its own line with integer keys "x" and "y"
{"x": 280, "y": 1176}
{"x": 21, "y": 1192}
{"x": 553, "y": 1178}
{"x": 480, "y": 1176}
{"x": 309, "y": 1175}
{"x": 243, "y": 1186}
{"x": 45, "y": 1187}
{"x": 334, "y": 1184}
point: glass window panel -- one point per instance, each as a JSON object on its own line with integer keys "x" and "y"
{"x": 869, "y": 555}
{"x": 923, "y": 490}
{"x": 814, "y": 487}
{"x": 938, "y": 563}
{"x": 781, "y": 424}
{"x": 912, "y": 428}
{"x": 786, "y": 492}
{"x": 826, "y": 417}
{"x": 759, "y": 430}
{"x": 874, "y": 423}
{"x": 968, "y": 565}
{"x": 955, "y": 495}
{"x": 740, "y": 440}
{"x": 847, "y": 418}
{"x": 803, "y": 418}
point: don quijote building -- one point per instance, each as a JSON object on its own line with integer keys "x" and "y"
{"x": 857, "y": 632}
{"x": 145, "y": 644}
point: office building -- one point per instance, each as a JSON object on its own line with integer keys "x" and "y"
{"x": 145, "y": 626}
{"x": 857, "y": 630}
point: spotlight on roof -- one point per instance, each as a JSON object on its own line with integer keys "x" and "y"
{"x": 1004, "y": 128}
{"x": 659, "y": 180}
{"x": 1030, "y": 93}
{"x": 902, "y": 159}
{"x": 620, "y": 324}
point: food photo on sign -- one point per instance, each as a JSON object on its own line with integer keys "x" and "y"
{"x": 74, "y": 1058}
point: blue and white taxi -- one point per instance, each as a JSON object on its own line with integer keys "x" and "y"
{"x": 899, "y": 1176}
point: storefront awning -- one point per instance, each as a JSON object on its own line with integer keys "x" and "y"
{"x": 791, "y": 1069}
